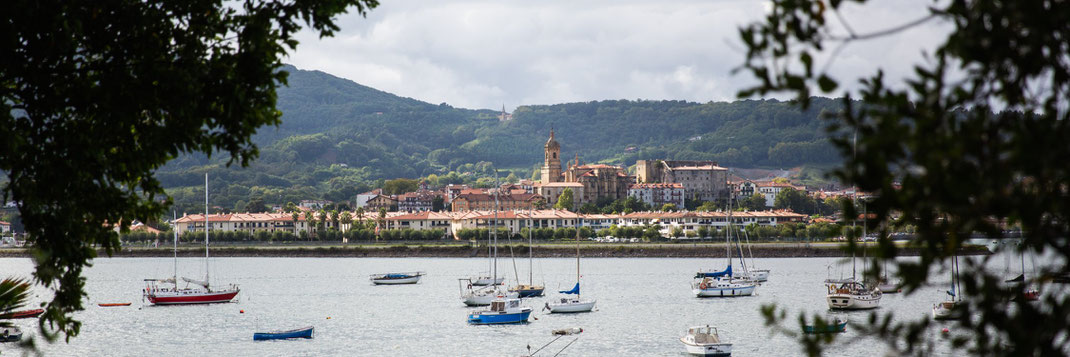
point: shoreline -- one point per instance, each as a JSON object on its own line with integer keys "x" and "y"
{"x": 634, "y": 250}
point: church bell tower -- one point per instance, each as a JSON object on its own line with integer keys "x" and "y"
{"x": 551, "y": 167}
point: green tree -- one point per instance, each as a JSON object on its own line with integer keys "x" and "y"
{"x": 940, "y": 158}
{"x": 295, "y": 216}
{"x": 755, "y": 202}
{"x": 564, "y": 201}
{"x": 677, "y": 232}
{"x": 256, "y": 205}
{"x": 795, "y": 200}
{"x": 360, "y": 216}
{"x": 347, "y": 218}
{"x": 668, "y": 207}
{"x": 382, "y": 221}
{"x": 95, "y": 97}
{"x": 400, "y": 186}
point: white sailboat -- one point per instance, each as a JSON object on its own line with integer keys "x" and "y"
{"x": 946, "y": 310}
{"x": 529, "y": 289}
{"x": 724, "y": 283}
{"x": 569, "y": 304}
{"x": 171, "y": 294}
{"x": 473, "y": 292}
{"x": 758, "y": 275}
{"x": 852, "y": 294}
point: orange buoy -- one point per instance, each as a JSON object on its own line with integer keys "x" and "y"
{"x": 328, "y": 317}
{"x": 241, "y": 311}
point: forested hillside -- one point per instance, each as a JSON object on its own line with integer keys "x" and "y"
{"x": 337, "y": 138}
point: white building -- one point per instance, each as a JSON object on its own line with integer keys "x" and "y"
{"x": 658, "y": 194}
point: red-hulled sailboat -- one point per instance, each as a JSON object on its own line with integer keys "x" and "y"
{"x": 173, "y": 295}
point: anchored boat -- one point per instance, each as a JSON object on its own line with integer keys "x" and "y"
{"x": 304, "y": 332}
{"x": 174, "y": 295}
{"x": 396, "y": 278}
{"x": 838, "y": 325}
{"x": 502, "y": 311}
{"x": 23, "y": 314}
{"x": 570, "y": 304}
{"x": 10, "y": 334}
{"x": 705, "y": 341}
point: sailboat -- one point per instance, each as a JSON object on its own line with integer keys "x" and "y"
{"x": 529, "y": 289}
{"x": 1029, "y": 293}
{"x": 485, "y": 294}
{"x": 946, "y": 310}
{"x": 722, "y": 283}
{"x": 758, "y": 275}
{"x": 566, "y": 304}
{"x": 173, "y": 295}
{"x": 852, "y": 294}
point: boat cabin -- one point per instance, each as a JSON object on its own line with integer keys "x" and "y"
{"x": 503, "y": 305}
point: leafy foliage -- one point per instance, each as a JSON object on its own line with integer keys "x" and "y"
{"x": 96, "y": 96}
{"x": 937, "y": 153}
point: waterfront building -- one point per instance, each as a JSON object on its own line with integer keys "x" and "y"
{"x": 770, "y": 189}
{"x": 658, "y": 194}
{"x": 486, "y": 201}
{"x": 702, "y": 180}
{"x": 551, "y": 191}
{"x": 382, "y": 201}
{"x": 418, "y": 201}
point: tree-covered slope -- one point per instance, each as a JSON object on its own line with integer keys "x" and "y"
{"x": 338, "y": 137}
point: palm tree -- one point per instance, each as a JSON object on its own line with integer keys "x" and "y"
{"x": 347, "y": 218}
{"x": 360, "y": 216}
{"x": 382, "y": 220}
{"x": 14, "y": 294}
{"x": 296, "y": 216}
{"x": 334, "y": 219}
{"x": 310, "y": 219}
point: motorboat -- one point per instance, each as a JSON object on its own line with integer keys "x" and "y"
{"x": 705, "y": 341}
{"x": 10, "y": 334}
{"x": 304, "y": 332}
{"x": 502, "y": 311}
{"x": 396, "y": 278}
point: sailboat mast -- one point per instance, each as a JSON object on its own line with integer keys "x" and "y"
{"x": 205, "y": 229}
{"x": 531, "y": 266}
{"x": 494, "y": 233}
{"x": 577, "y": 254}
{"x": 728, "y": 236}
{"x": 174, "y": 222}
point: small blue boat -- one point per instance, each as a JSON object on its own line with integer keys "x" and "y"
{"x": 502, "y": 311}
{"x": 304, "y": 332}
{"x": 835, "y": 326}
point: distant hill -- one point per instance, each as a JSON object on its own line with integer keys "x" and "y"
{"x": 338, "y": 137}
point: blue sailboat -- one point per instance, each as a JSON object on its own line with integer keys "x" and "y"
{"x": 502, "y": 311}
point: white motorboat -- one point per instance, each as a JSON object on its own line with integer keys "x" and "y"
{"x": 759, "y": 275}
{"x": 705, "y": 341}
{"x": 851, "y": 295}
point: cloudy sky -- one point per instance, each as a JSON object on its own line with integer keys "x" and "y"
{"x": 483, "y": 54}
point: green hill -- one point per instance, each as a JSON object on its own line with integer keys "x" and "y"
{"x": 337, "y": 138}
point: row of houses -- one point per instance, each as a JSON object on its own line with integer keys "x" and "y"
{"x": 514, "y": 221}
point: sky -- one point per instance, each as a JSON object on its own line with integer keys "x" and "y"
{"x": 486, "y": 54}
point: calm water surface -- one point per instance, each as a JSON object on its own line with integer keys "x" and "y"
{"x": 644, "y": 306}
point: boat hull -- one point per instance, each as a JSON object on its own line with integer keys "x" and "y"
{"x": 213, "y": 297}
{"x": 760, "y": 275}
{"x": 10, "y": 334}
{"x": 946, "y": 311}
{"x": 888, "y": 288}
{"x": 708, "y": 349}
{"x": 487, "y": 281}
{"x": 114, "y": 304}
{"x": 572, "y": 306}
{"x": 724, "y": 291}
{"x": 477, "y": 298}
{"x": 495, "y": 318}
{"x": 853, "y": 302}
{"x": 24, "y": 314}
{"x": 306, "y": 332}
{"x": 834, "y": 328}
{"x": 525, "y": 291}
{"x": 397, "y": 281}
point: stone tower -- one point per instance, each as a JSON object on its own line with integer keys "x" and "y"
{"x": 551, "y": 166}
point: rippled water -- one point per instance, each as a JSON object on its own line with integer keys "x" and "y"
{"x": 644, "y": 306}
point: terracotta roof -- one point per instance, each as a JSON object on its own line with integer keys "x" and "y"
{"x": 562, "y": 184}
{"x": 656, "y": 185}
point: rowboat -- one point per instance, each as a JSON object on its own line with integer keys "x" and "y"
{"x": 836, "y": 326}
{"x": 113, "y": 304}
{"x": 304, "y": 332}
{"x": 24, "y": 314}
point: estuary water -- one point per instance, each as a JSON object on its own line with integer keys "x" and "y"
{"x": 644, "y": 306}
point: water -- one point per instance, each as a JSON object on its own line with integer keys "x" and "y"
{"x": 644, "y": 306}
